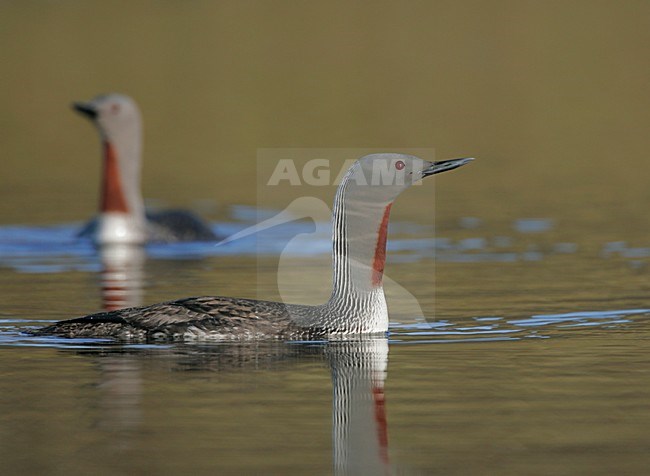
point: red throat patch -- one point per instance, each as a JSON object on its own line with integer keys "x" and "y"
{"x": 113, "y": 199}
{"x": 380, "y": 418}
{"x": 379, "y": 260}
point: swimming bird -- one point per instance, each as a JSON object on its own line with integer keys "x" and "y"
{"x": 356, "y": 306}
{"x": 122, "y": 218}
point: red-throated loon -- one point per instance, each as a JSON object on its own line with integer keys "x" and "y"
{"x": 122, "y": 217}
{"x": 357, "y": 304}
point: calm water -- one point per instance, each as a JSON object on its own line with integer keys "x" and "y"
{"x": 529, "y": 357}
{"x": 520, "y": 315}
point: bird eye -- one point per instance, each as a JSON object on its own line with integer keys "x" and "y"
{"x": 399, "y": 165}
{"x": 115, "y": 108}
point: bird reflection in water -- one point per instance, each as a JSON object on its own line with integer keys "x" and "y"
{"x": 358, "y": 371}
{"x": 360, "y": 431}
{"x": 122, "y": 275}
{"x": 121, "y": 390}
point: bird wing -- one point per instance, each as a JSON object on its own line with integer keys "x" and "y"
{"x": 196, "y": 309}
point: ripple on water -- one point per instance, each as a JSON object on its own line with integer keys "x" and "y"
{"x": 493, "y": 328}
{"x": 56, "y": 248}
{"x": 474, "y": 330}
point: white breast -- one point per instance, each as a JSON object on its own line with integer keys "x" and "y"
{"x": 120, "y": 228}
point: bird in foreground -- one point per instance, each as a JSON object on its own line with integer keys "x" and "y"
{"x": 122, "y": 217}
{"x": 357, "y": 305}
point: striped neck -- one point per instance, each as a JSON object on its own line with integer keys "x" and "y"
{"x": 359, "y": 231}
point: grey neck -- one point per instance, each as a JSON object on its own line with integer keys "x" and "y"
{"x": 359, "y": 226}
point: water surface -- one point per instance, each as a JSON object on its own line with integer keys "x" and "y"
{"x": 517, "y": 285}
{"x": 523, "y": 355}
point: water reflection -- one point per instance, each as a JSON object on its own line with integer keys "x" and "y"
{"x": 358, "y": 371}
{"x": 122, "y": 275}
{"x": 52, "y": 249}
{"x": 121, "y": 390}
{"x": 360, "y": 428}
{"x": 264, "y": 408}
{"x": 533, "y": 225}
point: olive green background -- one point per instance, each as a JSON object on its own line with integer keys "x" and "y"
{"x": 551, "y": 96}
